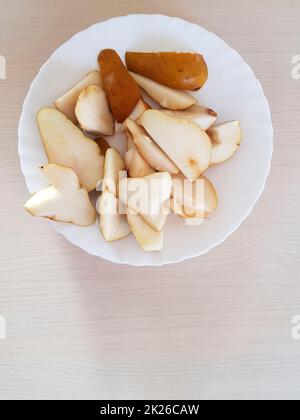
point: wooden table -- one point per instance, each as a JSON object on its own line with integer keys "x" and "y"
{"x": 218, "y": 326}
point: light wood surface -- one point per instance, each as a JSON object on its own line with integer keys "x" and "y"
{"x": 218, "y": 326}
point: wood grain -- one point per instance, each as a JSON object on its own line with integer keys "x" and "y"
{"x": 218, "y": 326}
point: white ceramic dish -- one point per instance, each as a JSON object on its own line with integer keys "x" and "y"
{"x": 232, "y": 90}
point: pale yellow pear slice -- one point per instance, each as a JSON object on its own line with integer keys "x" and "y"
{"x": 200, "y": 115}
{"x": 197, "y": 199}
{"x": 146, "y": 195}
{"x": 93, "y": 113}
{"x": 184, "y": 142}
{"x": 136, "y": 166}
{"x": 140, "y": 107}
{"x": 67, "y": 102}
{"x": 226, "y": 139}
{"x": 64, "y": 200}
{"x": 113, "y": 168}
{"x": 156, "y": 221}
{"x": 149, "y": 150}
{"x": 149, "y": 239}
{"x": 66, "y": 145}
{"x": 165, "y": 96}
{"x": 113, "y": 225}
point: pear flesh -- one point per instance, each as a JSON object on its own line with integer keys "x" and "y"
{"x": 113, "y": 225}
{"x": 136, "y": 166}
{"x": 165, "y": 96}
{"x": 148, "y": 238}
{"x": 140, "y": 107}
{"x": 204, "y": 117}
{"x": 93, "y": 113}
{"x": 197, "y": 199}
{"x": 149, "y": 150}
{"x": 147, "y": 196}
{"x": 64, "y": 200}
{"x": 67, "y": 102}
{"x": 226, "y": 139}
{"x": 156, "y": 221}
{"x": 66, "y": 145}
{"x": 184, "y": 142}
{"x": 113, "y": 167}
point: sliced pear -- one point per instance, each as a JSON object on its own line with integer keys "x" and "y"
{"x": 146, "y": 195}
{"x": 64, "y": 200}
{"x": 226, "y": 139}
{"x": 200, "y": 115}
{"x": 67, "y": 102}
{"x": 187, "y": 71}
{"x": 136, "y": 166}
{"x": 121, "y": 90}
{"x": 173, "y": 206}
{"x": 165, "y": 96}
{"x": 93, "y": 113}
{"x": 152, "y": 154}
{"x": 141, "y": 107}
{"x": 197, "y": 199}
{"x": 113, "y": 165}
{"x": 66, "y": 145}
{"x": 156, "y": 221}
{"x": 184, "y": 142}
{"x": 149, "y": 239}
{"x": 113, "y": 225}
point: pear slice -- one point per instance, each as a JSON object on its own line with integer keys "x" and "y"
{"x": 113, "y": 165}
{"x": 149, "y": 239}
{"x": 146, "y": 195}
{"x": 178, "y": 70}
{"x": 66, "y": 145}
{"x": 156, "y": 221}
{"x": 152, "y": 154}
{"x": 121, "y": 90}
{"x": 67, "y": 102}
{"x": 64, "y": 200}
{"x": 165, "y": 96}
{"x": 140, "y": 107}
{"x": 136, "y": 166}
{"x": 200, "y": 115}
{"x": 197, "y": 199}
{"x": 113, "y": 225}
{"x": 93, "y": 113}
{"x": 226, "y": 139}
{"x": 184, "y": 142}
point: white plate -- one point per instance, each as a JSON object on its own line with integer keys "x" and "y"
{"x": 232, "y": 90}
